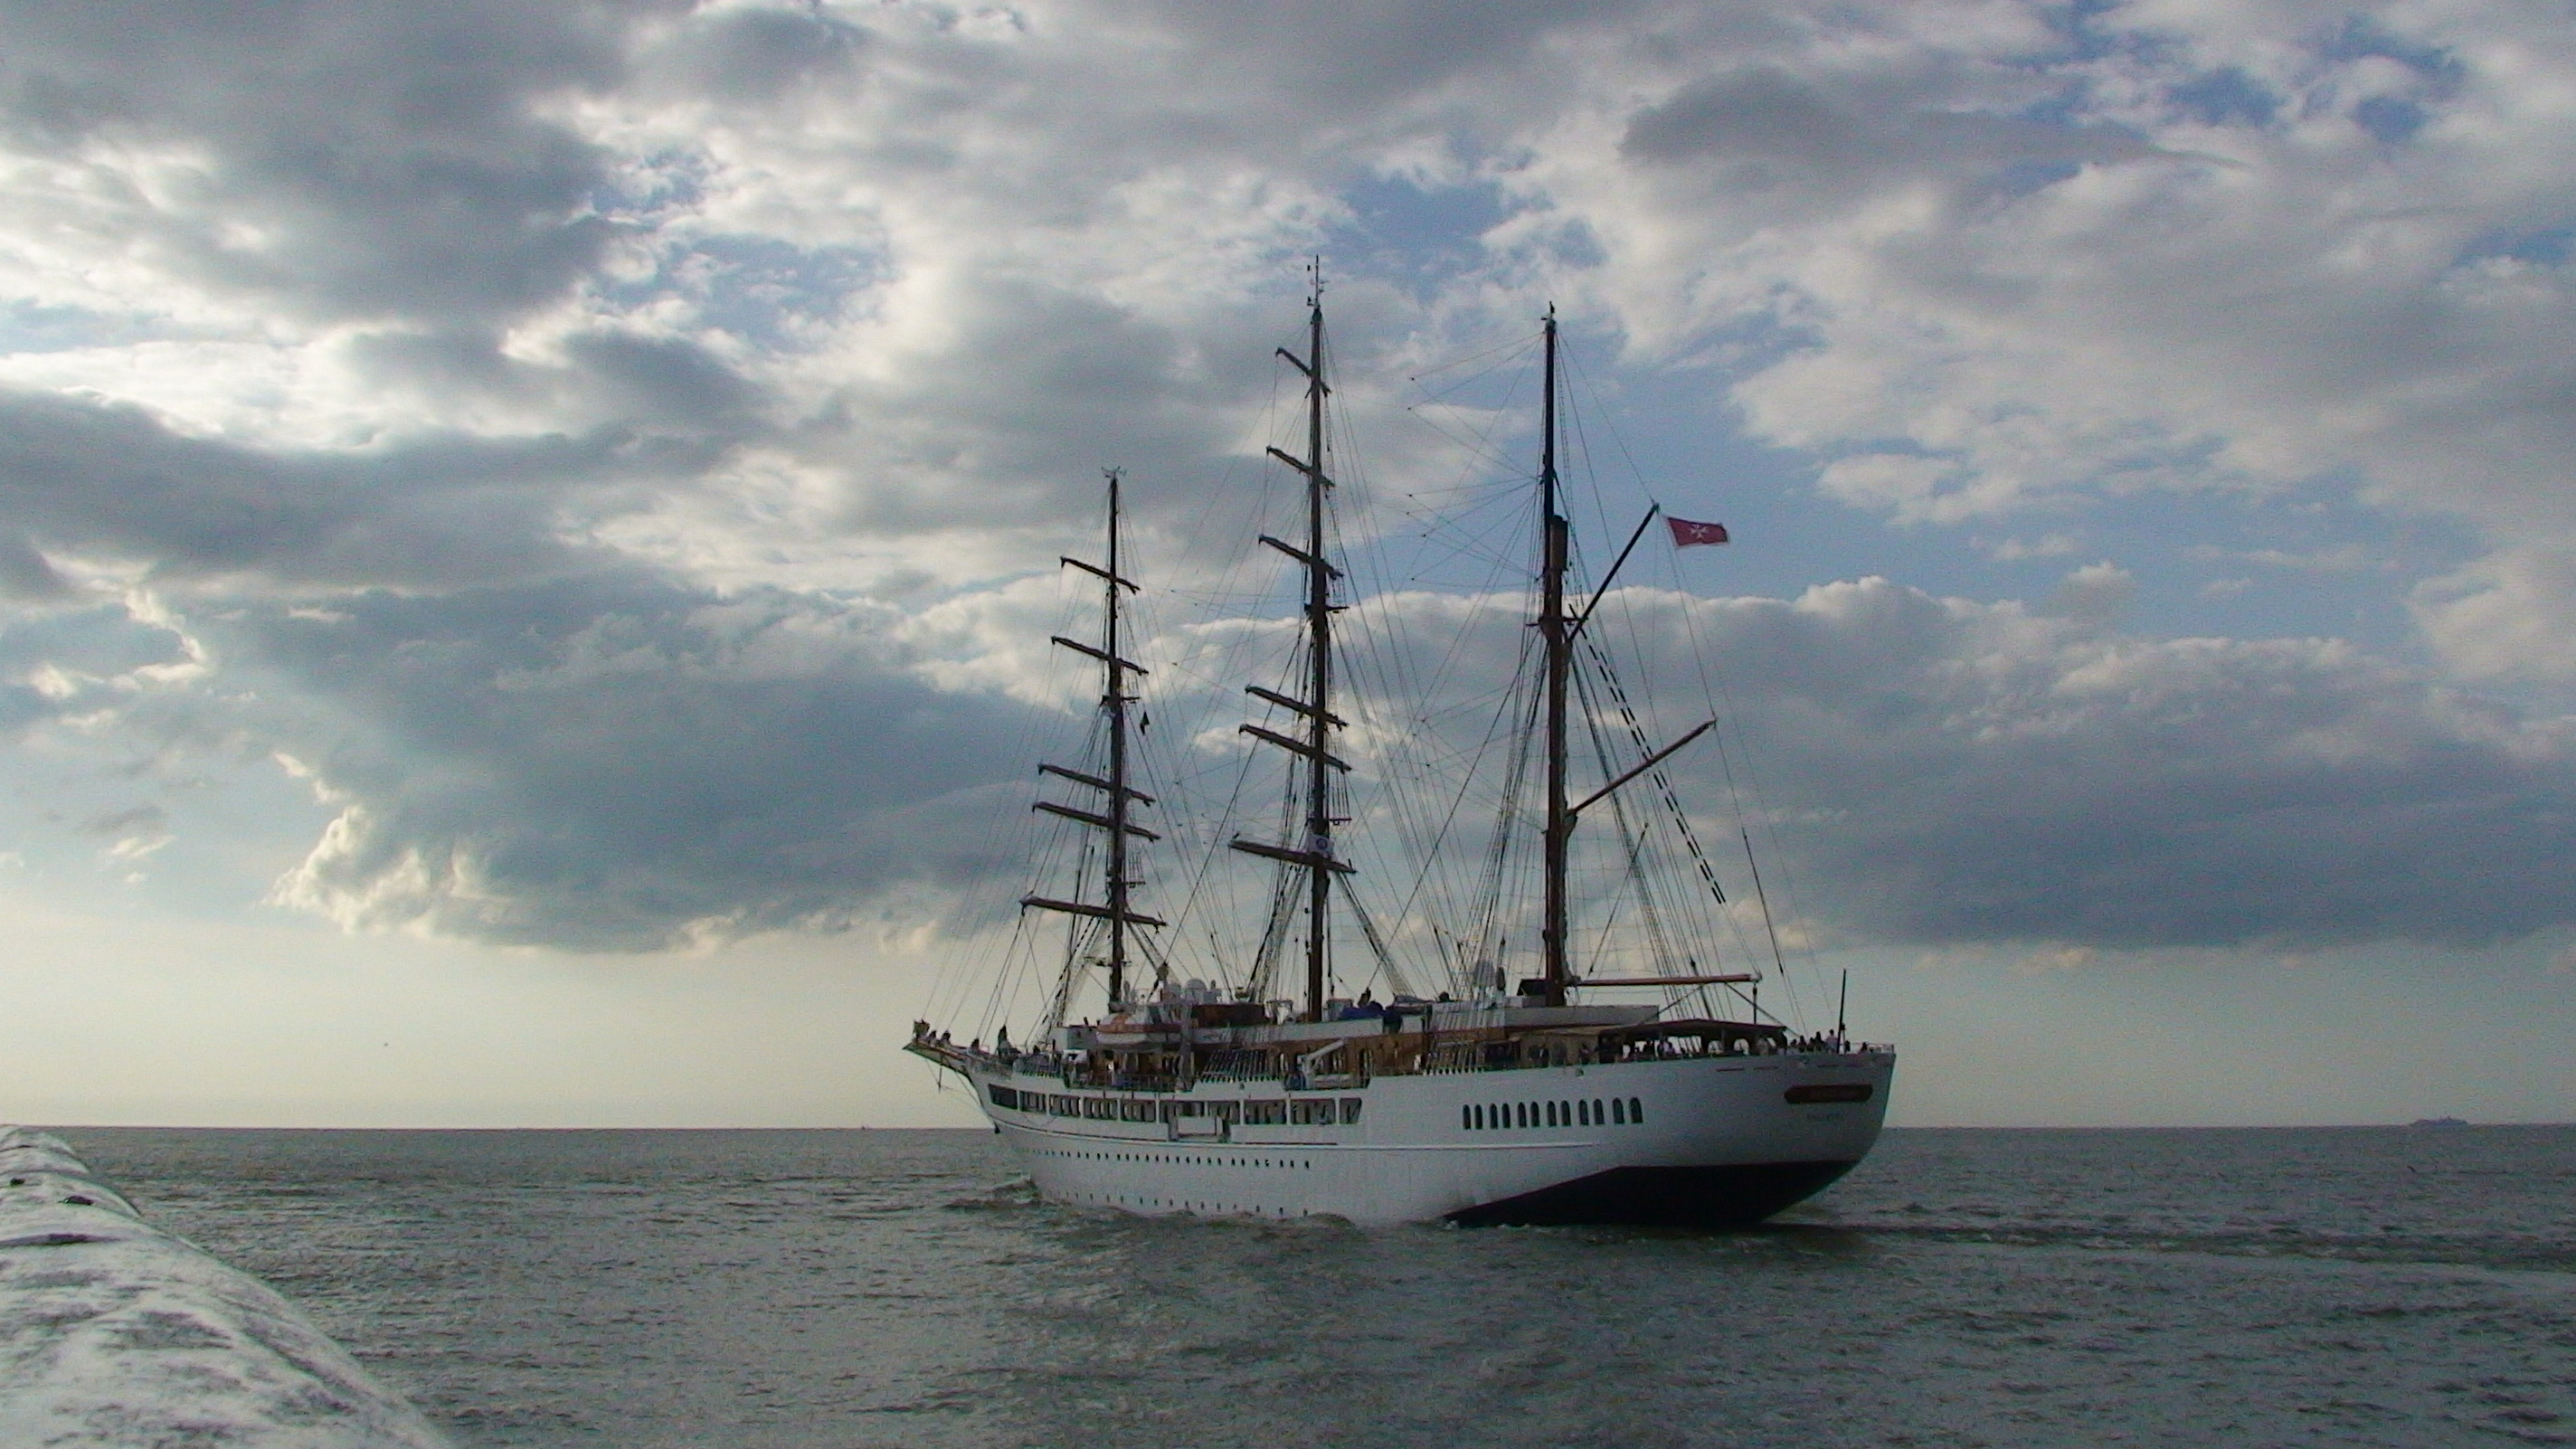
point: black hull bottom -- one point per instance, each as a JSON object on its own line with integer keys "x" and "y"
{"x": 1663, "y": 1197}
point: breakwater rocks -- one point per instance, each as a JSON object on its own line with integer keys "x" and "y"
{"x": 116, "y": 1335}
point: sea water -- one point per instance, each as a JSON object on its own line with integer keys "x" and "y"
{"x": 2403, "y": 1287}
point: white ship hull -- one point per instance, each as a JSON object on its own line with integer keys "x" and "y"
{"x": 1703, "y": 1141}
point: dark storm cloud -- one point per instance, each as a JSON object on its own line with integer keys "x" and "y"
{"x": 1768, "y": 128}
{"x": 25, "y": 573}
{"x": 108, "y": 479}
{"x": 756, "y": 55}
{"x": 363, "y": 158}
{"x": 618, "y": 764}
{"x": 1956, "y": 773}
{"x": 1349, "y": 55}
{"x": 671, "y": 380}
{"x": 1990, "y": 777}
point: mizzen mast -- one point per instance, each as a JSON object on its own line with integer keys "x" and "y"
{"x": 1119, "y": 911}
{"x": 1555, "y": 548}
{"x": 1314, "y": 855}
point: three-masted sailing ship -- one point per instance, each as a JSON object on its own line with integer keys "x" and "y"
{"x": 1535, "y": 1101}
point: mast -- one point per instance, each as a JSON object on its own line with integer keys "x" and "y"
{"x": 1119, "y": 910}
{"x": 1116, "y": 703}
{"x": 1314, "y": 854}
{"x": 1319, "y": 649}
{"x": 1554, "y": 549}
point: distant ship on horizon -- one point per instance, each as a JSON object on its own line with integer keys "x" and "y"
{"x": 1546, "y": 1100}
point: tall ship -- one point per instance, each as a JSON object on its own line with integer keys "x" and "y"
{"x": 1626, "y": 1078}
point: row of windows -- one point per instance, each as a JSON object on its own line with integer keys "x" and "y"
{"x": 1117, "y": 1199}
{"x": 1194, "y": 1159}
{"x": 1295, "y": 1111}
{"x": 1586, "y": 1112}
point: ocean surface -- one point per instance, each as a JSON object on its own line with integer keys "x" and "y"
{"x": 2404, "y": 1287}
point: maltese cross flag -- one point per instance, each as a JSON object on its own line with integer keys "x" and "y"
{"x": 1686, "y": 533}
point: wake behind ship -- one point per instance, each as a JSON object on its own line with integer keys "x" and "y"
{"x": 1547, "y": 1100}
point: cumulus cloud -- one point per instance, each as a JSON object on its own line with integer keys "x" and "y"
{"x": 602, "y": 445}
{"x": 2010, "y": 259}
{"x": 367, "y": 160}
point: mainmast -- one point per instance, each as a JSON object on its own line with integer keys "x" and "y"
{"x": 1554, "y": 629}
{"x": 1116, "y": 704}
{"x": 1314, "y": 855}
{"x": 1122, "y": 797}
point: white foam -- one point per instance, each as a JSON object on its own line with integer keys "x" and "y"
{"x": 116, "y": 1335}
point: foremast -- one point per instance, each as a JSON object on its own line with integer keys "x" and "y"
{"x": 1116, "y": 816}
{"x": 1313, "y": 855}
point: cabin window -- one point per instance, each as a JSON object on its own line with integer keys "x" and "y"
{"x": 1466, "y": 1118}
{"x": 1527, "y": 1113}
{"x": 1351, "y": 1110}
{"x": 1636, "y": 1111}
{"x": 1133, "y": 1110}
{"x": 1555, "y": 1114}
{"x": 1003, "y": 1096}
{"x": 1583, "y": 1114}
{"x": 1311, "y": 1111}
{"x": 1259, "y": 1114}
{"x": 1618, "y": 1113}
{"x": 1099, "y": 1108}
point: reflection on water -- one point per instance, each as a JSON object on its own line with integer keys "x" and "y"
{"x": 642, "y": 1289}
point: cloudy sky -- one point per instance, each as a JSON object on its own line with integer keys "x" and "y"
{"x": 522, "y": 528}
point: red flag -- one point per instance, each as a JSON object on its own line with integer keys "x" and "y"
{"x": 1687, "y": 533}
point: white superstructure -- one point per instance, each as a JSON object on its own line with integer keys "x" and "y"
{"x": 1679, "y": 1126}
